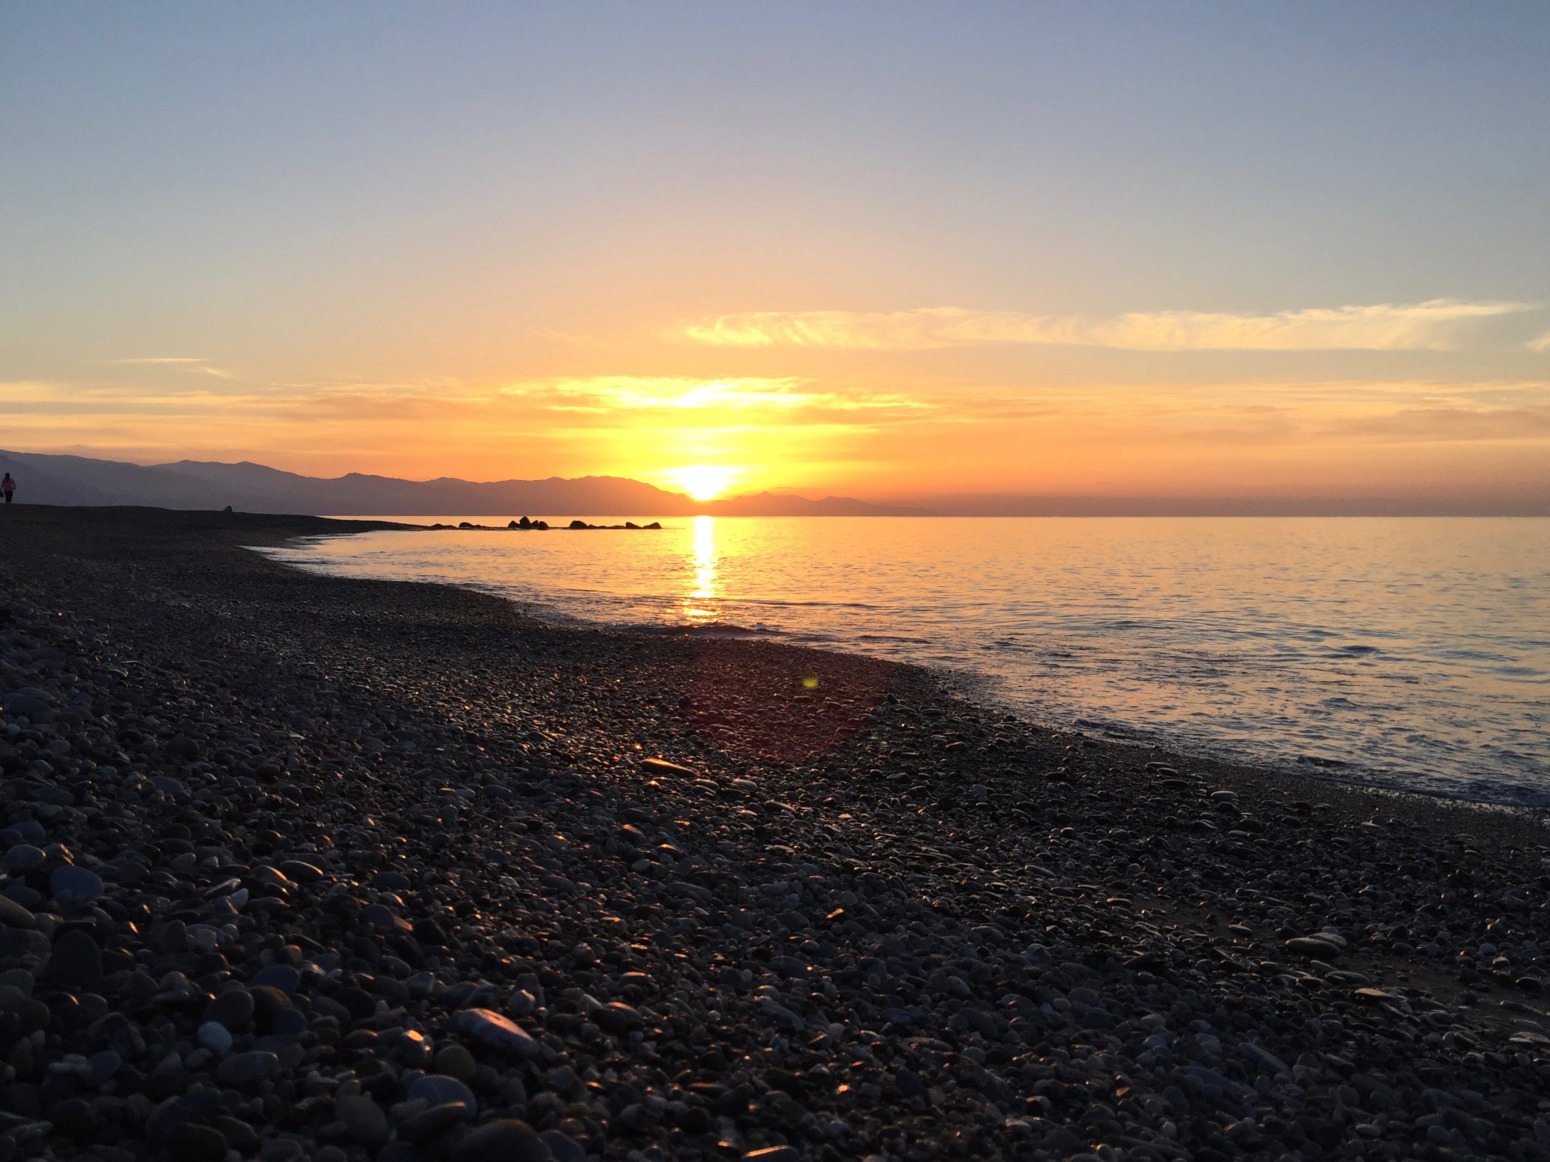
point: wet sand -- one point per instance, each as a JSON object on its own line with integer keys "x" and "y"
{"x": 308, "y": 867}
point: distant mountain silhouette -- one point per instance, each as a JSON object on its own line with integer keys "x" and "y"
{"x": 248, "y": 487}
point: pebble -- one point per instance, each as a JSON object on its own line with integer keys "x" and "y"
{"x": 456, "y": 1061}
{"x": 23, "y": 857}
{"x": 74, "y": 884}
{"x": 13, "y": 915}
{"x": 248, "y": 1068}
{"x": 496, "y": 1031}
{"x": 76, "y": 960}
{"x": 772, "y": 1154}
{"x": 277, "y": 976}
{"x": 215, "y": 1036}
{"x": 562, "y": 1147}
{"x": 233, "y": 1008}
{"x": 504, "y": 1140}
{"x": 436, "y": 1119}
{"x": 364, "y": 1120}
{"x": 192, "y": 1142}
{"x": 31, "y": 703}
{"x": 434, "y": 1089}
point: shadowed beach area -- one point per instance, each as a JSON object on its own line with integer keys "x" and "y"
{"x": 304, "y": 867}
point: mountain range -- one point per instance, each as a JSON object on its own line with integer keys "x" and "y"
{"x": 248, "y": 487}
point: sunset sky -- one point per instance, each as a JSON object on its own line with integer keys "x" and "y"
{"x": 886, "y": 250}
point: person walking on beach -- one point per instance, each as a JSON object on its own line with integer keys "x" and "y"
{"x": 7, "y": 486}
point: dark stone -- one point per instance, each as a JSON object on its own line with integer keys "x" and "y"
{"x": 248, "y": 1068}
{"x": 357, "y": 1001}
{"x": 300, "y": 871}
{"x": 24, "y": 857}
{"x": 1062, "y": 1143}
{"x": 13, "y": 915}
{"x": 234, "y": 1009}
{"x": 74, "y": 1117}
{"x": 427, "y": 931}
{"x": 238, "y": 1134}
{"x": 507, "y": 1140}
{"x": 76, "y": 960}
{"x": 563, "y": 1147}
{"x": 268, "y": 1004}
{"x": 437, "y": 1119}
{"x": 168, "y": 938}
{"x": 288, "y": 1022}
{"x": 496, "y": 1031}
{"x": 196, "y": 1142}
{"x": 31, "y": 703}
{"x": 198, "y": 1105}
{"x": 277, "y": 976}
{"x": 616, "y": 1019}
{"x": 377, "y": 915}
{"x": 436, "y": 1088}
{"x": 18, "y": 891}
{"x": 910, "y": 1084}
{"x": 182, "y": 747}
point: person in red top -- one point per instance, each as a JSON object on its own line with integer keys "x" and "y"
{"x": 7, "y": 486}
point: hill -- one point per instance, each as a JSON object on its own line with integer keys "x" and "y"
{"x": 249, "y": 487}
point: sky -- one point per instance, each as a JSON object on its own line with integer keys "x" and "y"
{"x": 884, "y": 250}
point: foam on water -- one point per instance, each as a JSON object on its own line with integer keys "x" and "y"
{"x": 1409, "y": 652}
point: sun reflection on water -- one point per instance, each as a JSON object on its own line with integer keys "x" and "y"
{"x": 700, "y": 606}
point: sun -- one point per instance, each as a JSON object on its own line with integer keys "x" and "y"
{"x": 703, "y": 481}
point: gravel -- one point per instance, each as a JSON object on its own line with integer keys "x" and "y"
{"x": 307, "y": 868}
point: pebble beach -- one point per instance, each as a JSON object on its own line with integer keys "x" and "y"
{"x": 299, "y": 868}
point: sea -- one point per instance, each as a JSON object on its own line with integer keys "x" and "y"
{"x": 1409, "y": 653}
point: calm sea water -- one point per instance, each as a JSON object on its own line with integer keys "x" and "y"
{"x": 1407, "y": 652}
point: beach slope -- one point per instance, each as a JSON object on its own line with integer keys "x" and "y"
{"x": 303, "y": 867}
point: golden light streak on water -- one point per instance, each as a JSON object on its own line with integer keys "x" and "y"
{"x": 700, "y": 607}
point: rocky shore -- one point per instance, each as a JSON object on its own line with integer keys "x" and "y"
{"x": 307, "y": 868}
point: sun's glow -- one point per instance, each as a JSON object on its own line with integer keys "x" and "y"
{"x": 703, "y": 481}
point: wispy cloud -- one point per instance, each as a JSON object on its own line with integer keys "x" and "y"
{"x": 1540, "y": 342}
{"x": 1436, "y": 325}
{"x": 653, "y": 393}
{"x": 186, "y": 362}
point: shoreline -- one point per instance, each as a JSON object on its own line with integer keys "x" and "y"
{"x": 1504, "y": 787}
{"x": 865, "y": 916}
